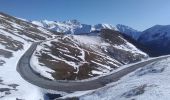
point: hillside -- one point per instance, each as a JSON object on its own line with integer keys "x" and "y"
{"x": 142, "y": 84}
{"x": 157, "y": 39}
{"x": 76, "y": 57}
{"x": 15, "y": 38}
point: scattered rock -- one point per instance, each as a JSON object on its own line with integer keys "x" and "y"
{"x": 5, "y": 53}
{"x": 52, "y": 96}
{"x": 4, "y": 89}
{"x": 18, "y": 99}
{"x": 13, "y": 85}
{"x": 2, "y": 62}
{"x": 7, "y": 93}
{"x": 136, "y": 91}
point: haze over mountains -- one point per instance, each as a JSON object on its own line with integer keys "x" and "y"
{"x": 73, "y": 51}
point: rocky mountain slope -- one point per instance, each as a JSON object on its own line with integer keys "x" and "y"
{"x": 76, "y": 57}
{"x": 157, "y": 39}
{"x": 15, "y": 33}
{"x": 15, "y": 38}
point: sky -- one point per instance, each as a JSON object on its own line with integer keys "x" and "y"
{"x": 138, "y": 14}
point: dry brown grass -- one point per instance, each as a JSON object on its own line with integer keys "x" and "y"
{"x": 63, "y": 70}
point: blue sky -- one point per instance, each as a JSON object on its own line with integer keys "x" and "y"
{"x": 139, "y": 14}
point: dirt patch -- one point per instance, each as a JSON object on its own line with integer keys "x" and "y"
{"x": 10, "y": 43}
{"x": 5, "y": 53}
{"x": 9, "y": 87}
{"x": 13, "y": 85}
{"x": 4, "y": 89}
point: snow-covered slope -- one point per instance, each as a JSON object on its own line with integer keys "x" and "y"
{"x": 12, "y": 86}
{"x": 150, "y": 82}
{"x": 16, "y": 37}
{"x": 157, "y": 38}
{"x": 76, "y": 57}
{"x": 71, "y": 26}
{"x": 128, "y": 31}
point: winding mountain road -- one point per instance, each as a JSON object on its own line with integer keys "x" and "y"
{"x": 31, "y": 76}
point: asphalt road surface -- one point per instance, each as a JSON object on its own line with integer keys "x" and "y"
{"x": 32, "y": 77}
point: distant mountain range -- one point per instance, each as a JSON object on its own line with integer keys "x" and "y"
{"x": 155, "y": 40}
{"x": 71, "y": 26}
{"x": 75, "y": 27}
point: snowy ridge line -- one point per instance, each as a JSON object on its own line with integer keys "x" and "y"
{"x": 29, "y": 75}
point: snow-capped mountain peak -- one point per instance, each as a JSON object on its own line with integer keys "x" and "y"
{"x": 37, "y": 23}
{"x": 128, "y": 31}
{"x": 72, "y": 26}
{"x": 76, "y": 27}
{"x": 103, "y": 26}
{"x": 72, "y": 22}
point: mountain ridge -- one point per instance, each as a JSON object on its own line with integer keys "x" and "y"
{"x": 157, "y": 39}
